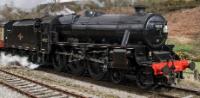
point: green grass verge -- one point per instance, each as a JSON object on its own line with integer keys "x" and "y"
{"x": 179, "y": 46}
{"x": 189, "y": 50}
{"x": 198, "y": 65}
{"x": 183, "y": 47}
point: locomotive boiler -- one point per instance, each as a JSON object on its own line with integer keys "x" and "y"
{"x": 119, "y": 29}
{"x": 115, "y": 46}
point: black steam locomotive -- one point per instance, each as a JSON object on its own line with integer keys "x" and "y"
{"x": 116, "y": 45}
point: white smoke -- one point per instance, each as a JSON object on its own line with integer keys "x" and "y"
{"x": 8, "y": 59}
{"x": 1, "y": 17}
{"x": 26, "y": 5}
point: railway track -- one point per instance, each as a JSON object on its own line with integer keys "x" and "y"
{"x": 178, "y": 92}
{"x": 194, "y": 91}
{"x": 33, "y": 89}
{"x": 188, "y": 93}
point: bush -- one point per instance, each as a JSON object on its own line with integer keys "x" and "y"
{"x": 182, "y": 54}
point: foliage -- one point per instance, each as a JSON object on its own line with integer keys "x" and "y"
{"x": 182, "y": 54}
{"x": 188, "y": 50}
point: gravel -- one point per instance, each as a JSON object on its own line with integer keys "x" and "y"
{"x": 8, "y": 93}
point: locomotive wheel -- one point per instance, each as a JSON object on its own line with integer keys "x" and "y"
{"x": 145, "y": 78}
{"x": 33, "y": 57}
{"x": 96, "y": 71}
{"x": 77, "y": 67}
{"x": 117, "y": 76}
{"x": 58, "y": 62}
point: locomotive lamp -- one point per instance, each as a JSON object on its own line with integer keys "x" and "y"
{"x": 165, "y": 29}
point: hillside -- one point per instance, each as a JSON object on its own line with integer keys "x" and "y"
{"x": 184, "y": 31}
{"x": 184, "y": 22}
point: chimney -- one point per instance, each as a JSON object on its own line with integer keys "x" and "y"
{"x": 139, "y": 9}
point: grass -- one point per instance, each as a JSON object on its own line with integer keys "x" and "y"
{"x": 198, "y": 66}
{"x": 190, "y": 50}
{"x": 180, "y": 46}
{"x": 183, "y": 47}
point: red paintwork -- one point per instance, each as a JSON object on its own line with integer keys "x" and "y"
{"x": 180, "y": 65}
{"x": 1, "y": 44}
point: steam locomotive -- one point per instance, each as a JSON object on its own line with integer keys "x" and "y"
{"x": 118, "y": 46}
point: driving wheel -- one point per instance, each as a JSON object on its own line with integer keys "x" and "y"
{"x": 96, "y": 70}
{"x": 117, "y": 76}
{"x": 145, "y": 78}
{"x": 58, "y": 62}
{"x": 77, "y": 67}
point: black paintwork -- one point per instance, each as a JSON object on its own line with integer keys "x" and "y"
{"x": 99, "y": 29}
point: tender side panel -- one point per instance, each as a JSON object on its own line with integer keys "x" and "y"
{"x": 23, "y": 37}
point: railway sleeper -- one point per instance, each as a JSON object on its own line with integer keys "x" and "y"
{"x": 39, "y": 92}
{"x": 23, "y": 84}
{"x": 35, "y": 90}
{"x": 57, "y": 95}
{"x": 44, "y": 93}
{"x": 16, "y": 82}
{"x": 26, "y": 86}
{"x": 31, "y": 89}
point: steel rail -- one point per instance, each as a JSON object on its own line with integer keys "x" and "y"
{"x": 51, "y": 88}
{"x": 165, "y": 95}
{"x": 195, "y": 91}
